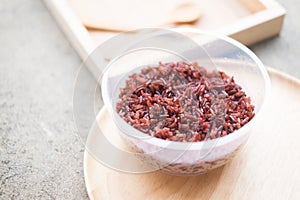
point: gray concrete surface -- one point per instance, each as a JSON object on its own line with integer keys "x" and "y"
{"x": 282, "y": 52}
{"x": 40, "y": 155}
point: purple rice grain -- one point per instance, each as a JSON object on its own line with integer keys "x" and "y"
{"x": 183, "y": 102}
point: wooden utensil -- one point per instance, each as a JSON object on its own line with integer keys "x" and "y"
{"x": 118, "y": 15}
{"x": 186, "y": 13}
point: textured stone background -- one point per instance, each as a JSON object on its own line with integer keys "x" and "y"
{"x": 40, "y": 153}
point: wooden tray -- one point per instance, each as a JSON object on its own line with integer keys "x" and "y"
{"x": 266, "y": 168}
{"x": 248, "y": 21}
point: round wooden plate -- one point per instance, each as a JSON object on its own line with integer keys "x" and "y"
{"x": 266, "y": 168}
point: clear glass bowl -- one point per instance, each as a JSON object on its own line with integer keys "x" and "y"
{"x": 210, "y": 50}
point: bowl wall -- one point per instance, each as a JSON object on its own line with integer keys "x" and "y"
{"x": 210, "y": 51}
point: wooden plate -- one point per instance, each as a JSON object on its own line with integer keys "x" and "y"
{"x": 266, "y": 168}
{"x": 248, "y": 21}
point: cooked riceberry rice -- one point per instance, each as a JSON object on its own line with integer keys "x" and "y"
{"x": 183, "y": 102}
